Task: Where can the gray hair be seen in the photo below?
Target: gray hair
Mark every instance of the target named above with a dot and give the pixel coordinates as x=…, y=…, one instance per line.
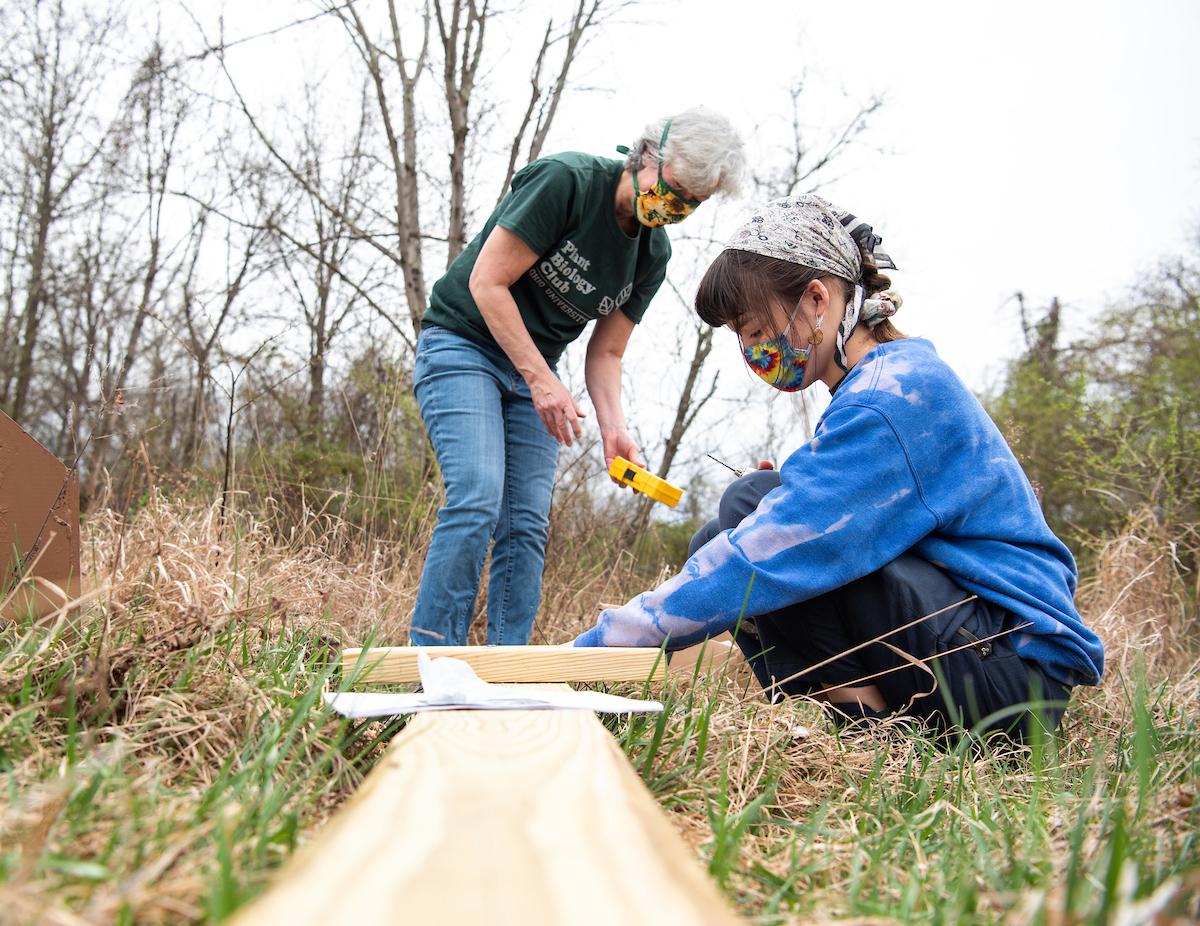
x=703, y=149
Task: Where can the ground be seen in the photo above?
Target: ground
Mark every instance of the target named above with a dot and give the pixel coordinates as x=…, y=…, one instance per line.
x=164, y=750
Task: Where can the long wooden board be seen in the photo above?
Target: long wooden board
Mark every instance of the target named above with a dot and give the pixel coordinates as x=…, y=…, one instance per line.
x=503, y=818
x=389, y=664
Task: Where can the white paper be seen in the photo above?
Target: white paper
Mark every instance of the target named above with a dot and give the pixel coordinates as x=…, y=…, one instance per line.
x=451, y=685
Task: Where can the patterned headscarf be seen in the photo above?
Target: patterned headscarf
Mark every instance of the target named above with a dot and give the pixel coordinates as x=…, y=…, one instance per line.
x=812, y=232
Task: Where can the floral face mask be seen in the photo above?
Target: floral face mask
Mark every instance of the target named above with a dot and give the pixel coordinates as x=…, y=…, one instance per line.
x=662, y=204
x=777, y=363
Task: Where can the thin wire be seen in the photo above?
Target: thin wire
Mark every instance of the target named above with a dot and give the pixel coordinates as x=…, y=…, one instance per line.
x=855, y=649
x=867, y=678
x=737, y=472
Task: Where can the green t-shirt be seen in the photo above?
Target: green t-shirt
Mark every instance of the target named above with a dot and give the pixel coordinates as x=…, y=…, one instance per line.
x=562, y=206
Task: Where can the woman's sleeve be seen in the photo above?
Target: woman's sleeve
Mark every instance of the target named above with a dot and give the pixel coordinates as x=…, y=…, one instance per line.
x=848, y=504
x=538, y=207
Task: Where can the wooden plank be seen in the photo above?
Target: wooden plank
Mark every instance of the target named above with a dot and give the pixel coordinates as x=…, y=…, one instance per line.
x=529, y=818
x=387, y=664
x=705, y=658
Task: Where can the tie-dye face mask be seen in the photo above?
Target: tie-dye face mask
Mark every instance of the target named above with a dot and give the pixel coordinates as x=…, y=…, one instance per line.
x=776, y=362
x=662, y=204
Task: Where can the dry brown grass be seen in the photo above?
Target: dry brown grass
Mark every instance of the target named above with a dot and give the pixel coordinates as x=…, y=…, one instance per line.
x=1138, y=601
x=204, y=637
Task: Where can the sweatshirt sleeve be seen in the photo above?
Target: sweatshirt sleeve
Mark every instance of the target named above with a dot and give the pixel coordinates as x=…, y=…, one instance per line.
x=848, y=504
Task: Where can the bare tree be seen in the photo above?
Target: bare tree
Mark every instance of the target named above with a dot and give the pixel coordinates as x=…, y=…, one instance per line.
x=402, y=148
x=50, y=139
x=543, y=99
x=461, y=32
x=91, y=278
x=317, y=260
x=154, y=113
x=806, y=164
x=395, y=59
x=204, y=315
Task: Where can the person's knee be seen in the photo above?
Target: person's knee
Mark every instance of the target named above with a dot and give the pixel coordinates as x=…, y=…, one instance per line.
x=703, y=536
x=906, y=582
x=526, y=510
x=742, y=496
x=475, y=499
x=528, y=531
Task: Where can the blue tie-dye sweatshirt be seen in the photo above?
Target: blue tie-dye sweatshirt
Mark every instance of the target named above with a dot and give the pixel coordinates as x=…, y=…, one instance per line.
x=905, y=458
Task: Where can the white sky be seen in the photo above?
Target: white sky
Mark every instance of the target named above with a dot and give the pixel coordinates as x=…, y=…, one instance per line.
x=1047, y=147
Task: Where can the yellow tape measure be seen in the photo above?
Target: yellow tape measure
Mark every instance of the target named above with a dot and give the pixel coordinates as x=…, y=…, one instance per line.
x=647, y=483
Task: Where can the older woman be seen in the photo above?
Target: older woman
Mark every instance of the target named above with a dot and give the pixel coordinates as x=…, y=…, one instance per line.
x=899, y=562
x=577, y=238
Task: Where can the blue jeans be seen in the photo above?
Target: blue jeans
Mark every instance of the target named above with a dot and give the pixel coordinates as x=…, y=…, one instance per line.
x=497, y=461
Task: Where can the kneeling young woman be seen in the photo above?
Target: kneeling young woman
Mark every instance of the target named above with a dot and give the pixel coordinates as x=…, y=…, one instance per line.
x=897, y=563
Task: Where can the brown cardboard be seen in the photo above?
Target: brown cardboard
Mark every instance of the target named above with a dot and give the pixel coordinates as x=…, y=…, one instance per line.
x=39, y=527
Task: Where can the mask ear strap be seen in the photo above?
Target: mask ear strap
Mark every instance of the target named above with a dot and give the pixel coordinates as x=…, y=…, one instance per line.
x=846, y=328
x=662, y=143
x=624, y=149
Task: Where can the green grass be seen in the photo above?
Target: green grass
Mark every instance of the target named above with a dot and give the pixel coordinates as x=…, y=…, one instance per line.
x=164, y=751
x=891, y=823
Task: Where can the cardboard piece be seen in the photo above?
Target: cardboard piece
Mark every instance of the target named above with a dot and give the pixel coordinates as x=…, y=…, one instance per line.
x=39, y=527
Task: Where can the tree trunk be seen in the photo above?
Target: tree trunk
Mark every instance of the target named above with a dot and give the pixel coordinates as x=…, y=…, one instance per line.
x=37, y=269
x=686, y=411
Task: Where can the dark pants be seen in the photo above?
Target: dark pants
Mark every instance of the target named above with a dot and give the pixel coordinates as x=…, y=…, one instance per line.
x=974, y=680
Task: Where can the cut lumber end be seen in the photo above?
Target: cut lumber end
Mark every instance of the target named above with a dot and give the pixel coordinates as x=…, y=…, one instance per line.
x=705, y=658
x=395, y=664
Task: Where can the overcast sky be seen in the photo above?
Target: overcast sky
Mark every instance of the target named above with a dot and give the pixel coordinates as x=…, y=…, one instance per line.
x=1046, y=147
x=1052, y=148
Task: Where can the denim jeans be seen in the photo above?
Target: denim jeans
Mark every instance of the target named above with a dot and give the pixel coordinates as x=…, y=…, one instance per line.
x=497, y=461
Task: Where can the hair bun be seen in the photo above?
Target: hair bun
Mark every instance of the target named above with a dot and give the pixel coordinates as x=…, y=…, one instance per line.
x=880, y=306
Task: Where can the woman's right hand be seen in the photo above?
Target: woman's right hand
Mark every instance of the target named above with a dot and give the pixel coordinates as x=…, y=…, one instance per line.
x=557, y=408
x=502, y=260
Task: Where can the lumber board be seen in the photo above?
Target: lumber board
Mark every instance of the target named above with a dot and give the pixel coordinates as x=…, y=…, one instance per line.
x=392, y=664
x=528, y=818
x=705, y=658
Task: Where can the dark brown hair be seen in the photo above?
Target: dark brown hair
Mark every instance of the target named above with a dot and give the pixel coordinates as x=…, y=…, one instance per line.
x=742, y=286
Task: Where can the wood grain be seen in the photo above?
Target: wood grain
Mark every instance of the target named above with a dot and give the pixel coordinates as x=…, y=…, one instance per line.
x=528, y=818
x=705, y=658
x=388, y=664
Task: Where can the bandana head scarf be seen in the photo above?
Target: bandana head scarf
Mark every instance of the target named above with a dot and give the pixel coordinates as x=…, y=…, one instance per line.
x=812, y=232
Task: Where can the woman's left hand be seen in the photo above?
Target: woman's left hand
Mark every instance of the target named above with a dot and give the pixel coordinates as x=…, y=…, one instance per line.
x=618, y=442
